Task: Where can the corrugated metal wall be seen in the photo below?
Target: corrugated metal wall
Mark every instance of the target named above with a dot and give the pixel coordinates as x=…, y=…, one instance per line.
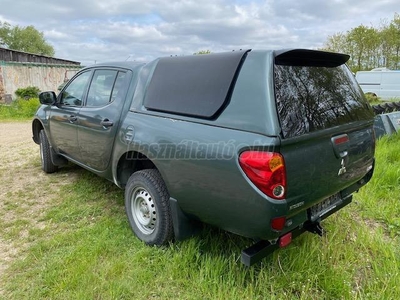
x=47, y=77
x=19, y=56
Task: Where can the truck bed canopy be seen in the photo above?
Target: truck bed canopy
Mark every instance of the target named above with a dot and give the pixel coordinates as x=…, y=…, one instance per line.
x=198, y=85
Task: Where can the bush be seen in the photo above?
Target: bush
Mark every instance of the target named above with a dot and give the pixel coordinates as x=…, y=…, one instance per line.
x=372, y=98
x=19, y=109
x=28, y=92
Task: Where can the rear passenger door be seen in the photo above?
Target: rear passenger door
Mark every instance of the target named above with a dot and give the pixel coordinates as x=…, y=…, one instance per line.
x=99, y=118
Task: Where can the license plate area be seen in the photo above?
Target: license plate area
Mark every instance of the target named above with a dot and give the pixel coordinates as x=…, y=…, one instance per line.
x=319, y=210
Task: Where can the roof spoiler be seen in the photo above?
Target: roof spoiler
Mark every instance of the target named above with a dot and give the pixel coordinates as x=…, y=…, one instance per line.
x=309, y=58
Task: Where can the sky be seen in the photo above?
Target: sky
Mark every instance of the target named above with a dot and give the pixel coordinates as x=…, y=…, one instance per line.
x=93, y=31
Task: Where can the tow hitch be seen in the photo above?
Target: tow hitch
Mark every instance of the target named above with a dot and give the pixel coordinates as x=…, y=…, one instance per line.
x=261, y=249
x=314, y=227
x=258, y=251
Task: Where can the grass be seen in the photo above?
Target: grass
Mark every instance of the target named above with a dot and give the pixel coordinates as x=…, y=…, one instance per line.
x=84, y=249
x=381, y=200
x=374, y=100
x=20, y=109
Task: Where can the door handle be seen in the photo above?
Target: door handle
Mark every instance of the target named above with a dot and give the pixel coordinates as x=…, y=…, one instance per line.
x=106, y=123
x=72, y=119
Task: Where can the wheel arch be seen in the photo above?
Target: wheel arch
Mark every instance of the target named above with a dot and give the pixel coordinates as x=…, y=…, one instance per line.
x=37, y=126
x=131, y=162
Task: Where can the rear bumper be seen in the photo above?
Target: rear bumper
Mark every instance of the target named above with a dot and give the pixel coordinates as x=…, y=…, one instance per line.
x=263, y=248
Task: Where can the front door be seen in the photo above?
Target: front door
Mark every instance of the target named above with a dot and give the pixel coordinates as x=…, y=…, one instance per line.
x=64, y=116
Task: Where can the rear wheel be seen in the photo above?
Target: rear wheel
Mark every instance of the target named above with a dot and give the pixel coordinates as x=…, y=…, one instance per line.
x=147, y=207
x=45, y=154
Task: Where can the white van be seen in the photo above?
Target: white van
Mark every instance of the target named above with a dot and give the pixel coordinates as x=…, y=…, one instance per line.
x=381, y=82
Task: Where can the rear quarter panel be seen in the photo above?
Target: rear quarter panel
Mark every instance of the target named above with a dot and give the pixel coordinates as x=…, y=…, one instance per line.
x=199, y=164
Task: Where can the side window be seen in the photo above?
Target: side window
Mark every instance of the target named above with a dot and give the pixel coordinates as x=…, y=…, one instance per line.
x=119, y=87
x=101, y=88
x=73, y=94
x=197, y=85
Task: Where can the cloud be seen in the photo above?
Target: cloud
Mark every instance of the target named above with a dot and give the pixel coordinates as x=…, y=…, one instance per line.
x=104, y=30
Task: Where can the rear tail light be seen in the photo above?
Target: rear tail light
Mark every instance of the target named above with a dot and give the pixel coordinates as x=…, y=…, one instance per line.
x=266, y=170
x=278, y=223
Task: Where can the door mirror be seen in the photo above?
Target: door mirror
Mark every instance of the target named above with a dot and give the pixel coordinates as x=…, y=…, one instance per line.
x=48, y=98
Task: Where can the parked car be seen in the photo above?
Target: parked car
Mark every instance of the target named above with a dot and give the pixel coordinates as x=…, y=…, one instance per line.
x=264, y=144
x=380, y=82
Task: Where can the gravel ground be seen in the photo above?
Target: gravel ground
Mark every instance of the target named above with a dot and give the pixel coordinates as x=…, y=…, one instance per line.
x=25, y=192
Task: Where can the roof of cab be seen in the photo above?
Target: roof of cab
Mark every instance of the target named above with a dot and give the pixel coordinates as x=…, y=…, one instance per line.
x=118, y=64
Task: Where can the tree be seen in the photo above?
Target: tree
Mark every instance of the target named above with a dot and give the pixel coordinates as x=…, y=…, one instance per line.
x=369, y=47
x=362, y=41
x=27, y=39
x=4, y=32
x=336, y=42
x=394, y=28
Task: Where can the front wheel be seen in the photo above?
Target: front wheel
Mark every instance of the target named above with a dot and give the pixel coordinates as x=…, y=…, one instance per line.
x=45, y=154
x=147, y=207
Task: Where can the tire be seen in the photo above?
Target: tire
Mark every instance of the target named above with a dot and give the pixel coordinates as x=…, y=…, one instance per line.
x=147, y=207
x=45, y=154
x=391, y=106
x=377, y=109
x=397, y=104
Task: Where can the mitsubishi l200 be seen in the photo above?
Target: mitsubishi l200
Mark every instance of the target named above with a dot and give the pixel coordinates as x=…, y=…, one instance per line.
x=264, y=144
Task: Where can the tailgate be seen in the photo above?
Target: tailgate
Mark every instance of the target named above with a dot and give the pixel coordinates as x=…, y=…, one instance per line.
x=327, y=133
x=323, y=164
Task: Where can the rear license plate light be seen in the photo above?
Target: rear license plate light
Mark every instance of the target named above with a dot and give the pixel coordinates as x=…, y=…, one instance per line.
x=320, y=209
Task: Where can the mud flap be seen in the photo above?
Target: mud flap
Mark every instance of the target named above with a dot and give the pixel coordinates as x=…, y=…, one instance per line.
x=184, y=227
x=56, y=159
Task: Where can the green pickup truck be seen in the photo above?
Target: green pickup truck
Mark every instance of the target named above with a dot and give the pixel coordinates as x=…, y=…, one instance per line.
x=264, y=144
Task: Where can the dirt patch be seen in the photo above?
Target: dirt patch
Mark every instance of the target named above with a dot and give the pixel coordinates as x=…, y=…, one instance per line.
x=25, y=191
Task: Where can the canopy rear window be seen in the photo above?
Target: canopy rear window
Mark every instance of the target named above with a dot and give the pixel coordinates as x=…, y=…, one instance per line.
x=198, y=86
x=316, y=93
